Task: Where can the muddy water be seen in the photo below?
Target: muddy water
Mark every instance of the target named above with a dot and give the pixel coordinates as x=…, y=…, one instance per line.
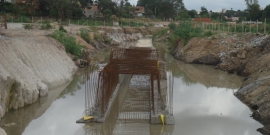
x=204, y=104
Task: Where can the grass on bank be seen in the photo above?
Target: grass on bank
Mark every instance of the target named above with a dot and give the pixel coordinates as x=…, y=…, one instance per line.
x=69, y=42
x=28, y=26
x=85, y=35
x=181, y=33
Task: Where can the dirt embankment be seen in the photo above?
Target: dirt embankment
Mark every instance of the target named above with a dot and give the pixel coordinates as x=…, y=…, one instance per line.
x=247, y=55
x=107, y=36
x=30, y=64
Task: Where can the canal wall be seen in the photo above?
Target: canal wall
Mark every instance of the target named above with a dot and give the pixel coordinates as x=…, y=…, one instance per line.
x=30, y=64
x=247, y=55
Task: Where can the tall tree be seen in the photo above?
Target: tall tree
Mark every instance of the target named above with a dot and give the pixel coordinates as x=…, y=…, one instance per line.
x=253, y=8
x=65, y=9
x=250, y=2
x=163, y=8
x=204, y=12
x=192, y=13
x=266, y=12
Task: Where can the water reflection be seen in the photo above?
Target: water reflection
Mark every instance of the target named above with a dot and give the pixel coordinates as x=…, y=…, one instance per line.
x=23, y=116
x=210, y=111
x=204, y=74
x=74, y=85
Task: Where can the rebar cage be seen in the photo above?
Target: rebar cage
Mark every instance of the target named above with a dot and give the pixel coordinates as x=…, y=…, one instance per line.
x=103, y=80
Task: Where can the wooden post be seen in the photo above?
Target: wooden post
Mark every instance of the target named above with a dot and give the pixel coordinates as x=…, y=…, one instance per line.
x=250, y=26
x=264, y=30
x=257, y=27
x=235, y=27
x=242, y=27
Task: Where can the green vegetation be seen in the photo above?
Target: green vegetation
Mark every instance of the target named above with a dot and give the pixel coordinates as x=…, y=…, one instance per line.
x=181, y=33
x=107, y=40
x=69, y=42
x=172, y=26
x=62, y=29
x=94, y=29
x=184, y=32
x=46, y=26
x=159, y=33
x=28, y=26
x=85, y=35
x=97, y=37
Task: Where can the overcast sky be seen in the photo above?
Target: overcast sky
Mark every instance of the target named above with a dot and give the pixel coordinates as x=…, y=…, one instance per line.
x=216, y=5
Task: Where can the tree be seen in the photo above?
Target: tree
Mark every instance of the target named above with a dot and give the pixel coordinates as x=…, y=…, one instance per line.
x=253, y=8
x=6, y=7
x=107, y=14
x=168, y=11
x=250, y=2
x=215, y=16
x=65, y=9
x=107, y=4
x=163, y=8
x=254, y=11
x=204, y=12
x=192, y=13
x=266, y=12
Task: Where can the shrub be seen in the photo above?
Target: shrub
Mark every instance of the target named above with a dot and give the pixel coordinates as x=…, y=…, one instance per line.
x=185, y=32
x=159, y=33
x=172, y=26
x=94, y=29
x=61, y=28
x=107, y=40
x=46, y=26
x=85, y=35
x=208, y=33
x=28, y=26
x=97, y=37
x=69, y=42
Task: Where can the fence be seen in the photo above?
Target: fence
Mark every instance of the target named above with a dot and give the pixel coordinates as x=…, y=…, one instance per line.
x=83, y=22
x=245, y=27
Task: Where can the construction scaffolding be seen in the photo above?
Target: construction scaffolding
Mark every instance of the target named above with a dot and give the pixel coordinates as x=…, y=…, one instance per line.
x=103, y=82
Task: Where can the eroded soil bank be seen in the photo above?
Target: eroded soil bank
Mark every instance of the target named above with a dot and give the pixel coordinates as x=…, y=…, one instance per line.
x=245, y=54
x=30, y=64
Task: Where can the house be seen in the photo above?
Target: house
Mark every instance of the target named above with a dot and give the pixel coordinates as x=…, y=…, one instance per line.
x=92, y=11
x=139, y=11
x=233, y=19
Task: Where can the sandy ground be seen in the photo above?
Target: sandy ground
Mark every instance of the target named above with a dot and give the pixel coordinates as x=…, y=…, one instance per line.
x=144, y=43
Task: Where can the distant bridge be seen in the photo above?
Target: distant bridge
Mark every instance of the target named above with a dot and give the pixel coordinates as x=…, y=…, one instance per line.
x=149, y=96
